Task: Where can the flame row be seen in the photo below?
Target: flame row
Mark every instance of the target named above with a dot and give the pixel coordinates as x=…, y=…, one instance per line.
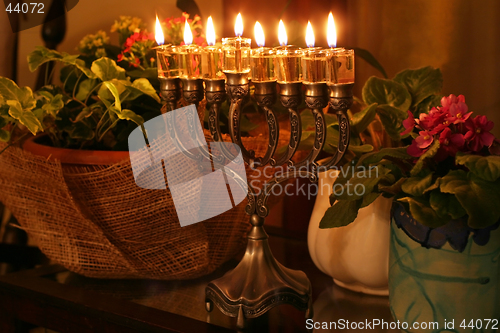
x=259, y=32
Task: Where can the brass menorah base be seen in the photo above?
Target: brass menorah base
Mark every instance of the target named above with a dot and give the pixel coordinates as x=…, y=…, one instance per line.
x=259, y=282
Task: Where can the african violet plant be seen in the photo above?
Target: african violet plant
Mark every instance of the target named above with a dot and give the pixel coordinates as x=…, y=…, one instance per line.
x=105, y=92
x=446, y=169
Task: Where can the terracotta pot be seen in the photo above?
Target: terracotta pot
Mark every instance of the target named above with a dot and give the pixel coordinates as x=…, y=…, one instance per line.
x=73, y=156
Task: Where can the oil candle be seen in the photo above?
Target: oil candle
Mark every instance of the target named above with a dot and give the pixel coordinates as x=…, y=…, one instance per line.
x=287, y=65
x=236, y=50
x=313, y=62
x=261, y=58
x=167, y=55
x=189, y=56
x=340, y=61
x=211, y=57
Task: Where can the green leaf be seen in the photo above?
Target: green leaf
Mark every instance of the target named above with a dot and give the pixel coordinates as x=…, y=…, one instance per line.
x=478, y=197
x=114, y=91
x=145, y=87
x=130, y=115
x=42, y=55
x=375, y=157
x=431, y=152
x=416, y=186
x=421, y=83
x=84, y=88
x=362, y=119
x=369, y=199
x=4, y=135
x=420, y=209
x=25, y=117
x=362, y=183
x=383, y=91
x=106, y=69
x=369, y=58
x=392, y=119
x=55, y=103
x=446, y=205
x=9, y=90
x=392, y=189
x=426, y=105
x=486, y=167
x=340, y=214
x=85, y=113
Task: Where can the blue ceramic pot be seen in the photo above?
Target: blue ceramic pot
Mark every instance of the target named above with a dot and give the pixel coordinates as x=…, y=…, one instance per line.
x=432, y=282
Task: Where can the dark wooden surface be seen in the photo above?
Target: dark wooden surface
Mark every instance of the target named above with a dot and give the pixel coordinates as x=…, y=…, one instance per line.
x=51, y=297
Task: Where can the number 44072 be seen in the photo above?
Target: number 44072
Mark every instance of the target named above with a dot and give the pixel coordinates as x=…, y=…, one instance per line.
x=480, y=323
x=36, y=7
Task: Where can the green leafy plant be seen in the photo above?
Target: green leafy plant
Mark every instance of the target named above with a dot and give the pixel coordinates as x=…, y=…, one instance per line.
x=106, y=91
x=445, y=168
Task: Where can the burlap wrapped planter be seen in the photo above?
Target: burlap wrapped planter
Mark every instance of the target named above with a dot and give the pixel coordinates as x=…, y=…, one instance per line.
x=94, y=220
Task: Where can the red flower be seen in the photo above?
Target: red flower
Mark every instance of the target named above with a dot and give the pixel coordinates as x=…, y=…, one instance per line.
x=450, y=144
x=434, y=121
x=120, y=57
x=420, y=144
x=479, y=134
x=409, y=123
x=458, y=113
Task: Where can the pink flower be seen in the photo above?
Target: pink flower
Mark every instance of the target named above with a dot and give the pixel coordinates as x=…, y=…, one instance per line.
x=409, y=123
x=479, y=134
x=458, y=113
x=413, y=150
x=424, y=139
x=446, y=102
x=434, y=121
x=420, y=144
x=450, y=144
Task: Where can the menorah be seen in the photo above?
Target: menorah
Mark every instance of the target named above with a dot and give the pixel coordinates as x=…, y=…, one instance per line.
x=259, y=283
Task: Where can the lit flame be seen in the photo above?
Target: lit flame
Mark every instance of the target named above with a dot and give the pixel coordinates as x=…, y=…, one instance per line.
x=309, y=35
x=210, y=31
x=188, y=35
x=331, y=35
x=260, y=39
x=160, y=40
x=282, y=37
x=238, y=26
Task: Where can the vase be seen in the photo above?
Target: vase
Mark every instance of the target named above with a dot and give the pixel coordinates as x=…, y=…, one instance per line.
x=357, y=255
x=446, y=289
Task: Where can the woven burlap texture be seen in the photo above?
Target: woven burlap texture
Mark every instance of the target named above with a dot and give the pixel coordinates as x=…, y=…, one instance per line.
x=95, y=221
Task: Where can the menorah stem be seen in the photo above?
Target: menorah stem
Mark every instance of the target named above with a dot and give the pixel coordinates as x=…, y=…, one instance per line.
x=316, y=100
x=290, y=97
x=341, y=99
x=237, y=87
x=193, y=93
x=265, y=96
x=170, y=91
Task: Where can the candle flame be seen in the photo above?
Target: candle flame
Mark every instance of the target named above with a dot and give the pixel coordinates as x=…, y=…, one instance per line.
x=160, y=40
x=210, y=32
x=238, y=26
x=188, y=35
x=309, y=35
x=260, y=39
x=282, y=37
x=331, y=35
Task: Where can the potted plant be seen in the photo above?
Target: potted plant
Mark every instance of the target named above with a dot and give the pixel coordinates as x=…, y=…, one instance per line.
x=72, y=188
x=357, y=256
x=445, y=186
